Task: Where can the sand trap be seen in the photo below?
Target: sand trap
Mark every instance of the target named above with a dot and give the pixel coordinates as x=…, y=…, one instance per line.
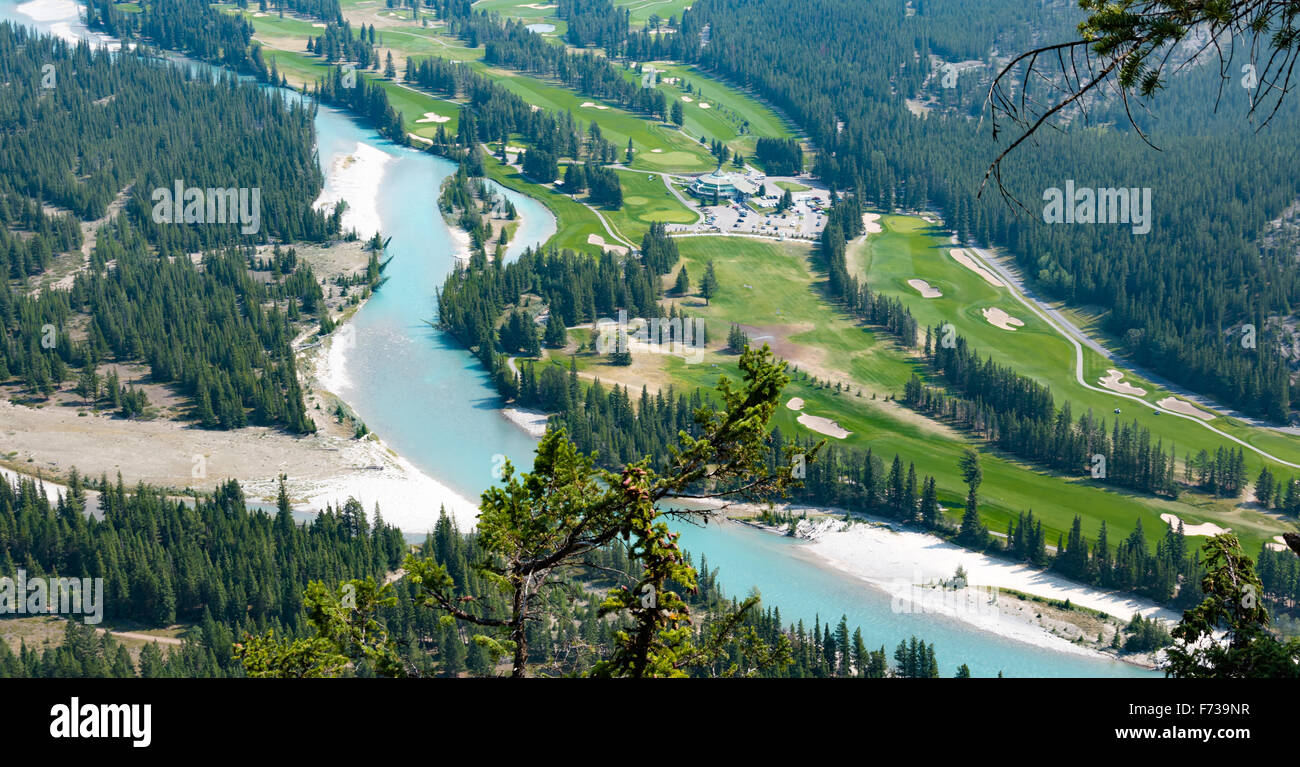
x=537, y=7
x=965, y=260
x=1175, y=405
x=1205, y=528
x=1000, y=319
x=592, y=105
x=598, y=241
x=705, y=105
x=421, y=139
x=258, y=15
x=925, y=289
x=871, y=223
x=433, y=117
x=655, y=151
x=319, y=26
x=824, y=426
x=795, y=403
x=1111, y=381
x=1277, y=544
x=687, y=99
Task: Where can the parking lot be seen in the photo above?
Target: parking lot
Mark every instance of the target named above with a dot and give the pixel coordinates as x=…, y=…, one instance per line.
x=804, y=221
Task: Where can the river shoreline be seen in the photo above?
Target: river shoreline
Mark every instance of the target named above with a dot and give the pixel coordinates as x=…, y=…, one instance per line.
x=916, y=570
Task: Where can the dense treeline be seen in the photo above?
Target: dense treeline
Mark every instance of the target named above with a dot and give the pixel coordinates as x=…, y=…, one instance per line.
x=114, y=124
x=363, y=97
x=576, y=636
x=509, y=43
x=494, y=113
x=232, y=571
x=1177, y=296
x=209, y=561
x=843, y=223
x=218, y=332
x=576, y=288
x=340, y=43
x=593, y=22
x=325, y=10
x=779, y=157
x=192, y=27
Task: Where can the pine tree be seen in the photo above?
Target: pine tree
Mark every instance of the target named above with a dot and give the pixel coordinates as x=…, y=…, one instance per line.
x=709, y=285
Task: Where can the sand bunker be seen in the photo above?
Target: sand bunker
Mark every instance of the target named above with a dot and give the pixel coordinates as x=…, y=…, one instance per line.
x=1000, y=319
x=1277, y=544
x=795, y=403
x=1111, y=381
x=1175, y=405
x=592, y=105
x=655, y=151
x=319, y=26
x=598, y=241
x=824, y=426
x=965, y=260
x=687, y=99
x=537, y=7
x=1205, y=528
x=705, y=105
x=433, y=117
x=871, y=223
x=925, y=289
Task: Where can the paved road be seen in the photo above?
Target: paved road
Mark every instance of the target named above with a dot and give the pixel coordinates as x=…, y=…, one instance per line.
x=1060, y=324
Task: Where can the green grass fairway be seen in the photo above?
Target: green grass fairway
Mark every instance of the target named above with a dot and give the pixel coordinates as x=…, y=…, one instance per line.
x=910, y=248
x=640, y=10
x=734, y=117
x=677, y=153
x=574, y=221
x=784, y=301
x=645, y=200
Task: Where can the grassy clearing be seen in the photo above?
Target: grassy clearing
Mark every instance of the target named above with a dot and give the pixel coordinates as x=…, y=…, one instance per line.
x=783, y=306
x=640, y=10
x=733, y=117
x=677, y=152
x=645, y=200
x=910, y=248
x=574, y=222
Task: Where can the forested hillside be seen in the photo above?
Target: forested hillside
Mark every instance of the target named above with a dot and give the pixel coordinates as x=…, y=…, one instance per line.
x=121, y=127
x=231, y=571
x=1176, y=296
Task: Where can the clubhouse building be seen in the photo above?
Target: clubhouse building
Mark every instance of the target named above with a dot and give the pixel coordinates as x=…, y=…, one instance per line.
x=723, y=186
